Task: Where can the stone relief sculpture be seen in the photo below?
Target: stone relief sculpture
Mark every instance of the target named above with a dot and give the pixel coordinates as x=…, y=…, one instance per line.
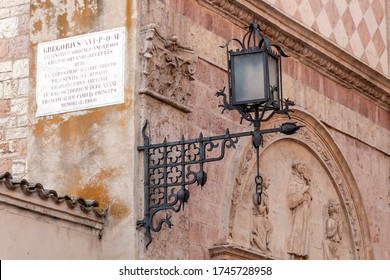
x=334, y=230
x=261, y=226
x=299, y=199
x=355, y=243
x=167, y=68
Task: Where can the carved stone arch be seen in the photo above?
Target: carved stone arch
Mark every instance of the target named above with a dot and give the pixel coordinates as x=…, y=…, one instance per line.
x=315, y=138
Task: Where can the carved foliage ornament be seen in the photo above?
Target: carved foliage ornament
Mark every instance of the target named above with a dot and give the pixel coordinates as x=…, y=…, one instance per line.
x=167, y=69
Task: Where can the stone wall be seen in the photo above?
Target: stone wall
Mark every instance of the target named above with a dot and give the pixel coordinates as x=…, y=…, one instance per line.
x=14, y=85
x=356, y=129
x=174, y=65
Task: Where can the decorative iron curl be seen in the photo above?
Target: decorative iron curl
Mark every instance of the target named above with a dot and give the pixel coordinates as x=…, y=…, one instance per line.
x=170, y=167
x=180, y=164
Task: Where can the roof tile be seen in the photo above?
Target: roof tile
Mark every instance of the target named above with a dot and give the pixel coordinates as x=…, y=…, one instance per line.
x=86, y=205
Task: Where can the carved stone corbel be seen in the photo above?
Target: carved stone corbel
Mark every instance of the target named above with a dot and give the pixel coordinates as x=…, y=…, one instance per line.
x=168, y=68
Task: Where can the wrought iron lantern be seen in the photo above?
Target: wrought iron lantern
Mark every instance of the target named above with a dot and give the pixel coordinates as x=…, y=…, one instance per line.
x=254, y=71
x=255, y=77
x=255, y=91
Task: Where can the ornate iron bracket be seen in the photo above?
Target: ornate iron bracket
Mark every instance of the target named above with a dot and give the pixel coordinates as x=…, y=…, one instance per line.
x=172, y=166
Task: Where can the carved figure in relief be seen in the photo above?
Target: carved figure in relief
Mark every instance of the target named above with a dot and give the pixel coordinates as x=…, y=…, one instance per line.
x=299, y=199
x=262, y=228
x=334, y=232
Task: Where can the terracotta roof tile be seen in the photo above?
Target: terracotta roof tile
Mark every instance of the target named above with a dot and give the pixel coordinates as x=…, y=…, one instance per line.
x=86, y=205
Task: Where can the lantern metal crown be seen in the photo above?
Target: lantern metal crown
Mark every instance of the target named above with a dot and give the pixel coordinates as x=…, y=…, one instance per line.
x=255, y=91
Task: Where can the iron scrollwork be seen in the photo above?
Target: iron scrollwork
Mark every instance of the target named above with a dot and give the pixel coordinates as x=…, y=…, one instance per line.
x=172, y=166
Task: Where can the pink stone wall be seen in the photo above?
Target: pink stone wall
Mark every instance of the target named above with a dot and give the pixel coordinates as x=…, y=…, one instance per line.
x=344, y=96
x=358, y=126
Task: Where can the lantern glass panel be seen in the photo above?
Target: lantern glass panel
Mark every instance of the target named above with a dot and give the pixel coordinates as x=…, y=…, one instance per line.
x=248, y=78
x=273, y=72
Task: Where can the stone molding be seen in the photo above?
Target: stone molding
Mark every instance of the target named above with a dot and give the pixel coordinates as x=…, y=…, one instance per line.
x=228, y=251
x=309, y=47
x=168, y=68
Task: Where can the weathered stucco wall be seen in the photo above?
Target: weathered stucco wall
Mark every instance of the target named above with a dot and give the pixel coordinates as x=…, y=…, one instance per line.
x=40, y=224
x=87, y=153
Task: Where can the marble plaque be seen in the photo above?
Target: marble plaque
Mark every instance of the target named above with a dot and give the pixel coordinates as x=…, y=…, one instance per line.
x=80, y=72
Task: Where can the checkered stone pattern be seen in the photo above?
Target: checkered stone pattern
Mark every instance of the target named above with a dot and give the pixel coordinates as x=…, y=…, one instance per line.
x=358, y=26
